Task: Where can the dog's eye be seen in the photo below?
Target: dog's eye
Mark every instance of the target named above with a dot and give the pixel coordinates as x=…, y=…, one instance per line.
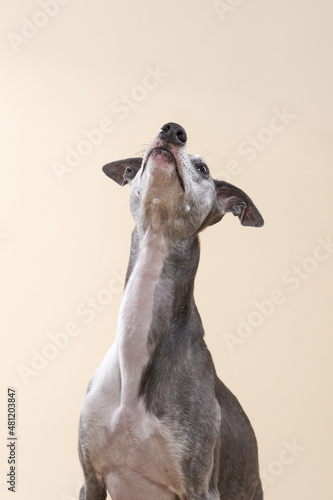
x=203, y=169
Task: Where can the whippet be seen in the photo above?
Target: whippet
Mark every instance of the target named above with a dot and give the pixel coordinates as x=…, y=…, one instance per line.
x=157, y=423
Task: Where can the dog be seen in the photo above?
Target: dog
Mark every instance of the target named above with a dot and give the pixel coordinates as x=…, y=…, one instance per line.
x=157, y=423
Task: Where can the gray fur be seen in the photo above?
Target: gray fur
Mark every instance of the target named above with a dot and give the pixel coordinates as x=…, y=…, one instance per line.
x=157, y=423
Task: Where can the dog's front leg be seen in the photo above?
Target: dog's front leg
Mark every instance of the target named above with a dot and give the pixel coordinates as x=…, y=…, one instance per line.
x=93, y=487
x=92, y=491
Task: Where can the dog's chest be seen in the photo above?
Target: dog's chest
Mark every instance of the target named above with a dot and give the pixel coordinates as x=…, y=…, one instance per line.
x=132, y=446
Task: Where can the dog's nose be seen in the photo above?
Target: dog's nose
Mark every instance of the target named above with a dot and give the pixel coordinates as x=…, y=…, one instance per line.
x=174, y=133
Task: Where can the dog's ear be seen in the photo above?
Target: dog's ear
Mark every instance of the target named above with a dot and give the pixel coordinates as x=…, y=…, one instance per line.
x=123, y=171
x=234, y=200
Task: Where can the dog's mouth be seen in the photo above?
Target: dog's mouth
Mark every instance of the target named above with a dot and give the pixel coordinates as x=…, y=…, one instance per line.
x=169, y=158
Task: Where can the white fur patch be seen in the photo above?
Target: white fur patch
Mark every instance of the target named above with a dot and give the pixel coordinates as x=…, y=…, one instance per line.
x=136, y=313
x=132, y=449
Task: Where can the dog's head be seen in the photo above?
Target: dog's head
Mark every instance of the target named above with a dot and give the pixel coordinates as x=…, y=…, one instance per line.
x=173, y=191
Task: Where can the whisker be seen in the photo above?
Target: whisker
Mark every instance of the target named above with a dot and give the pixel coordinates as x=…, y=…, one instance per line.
x=141, y=151
x=125, y=205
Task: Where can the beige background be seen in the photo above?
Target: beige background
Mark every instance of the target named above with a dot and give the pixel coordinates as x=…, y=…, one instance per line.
x=65, y=238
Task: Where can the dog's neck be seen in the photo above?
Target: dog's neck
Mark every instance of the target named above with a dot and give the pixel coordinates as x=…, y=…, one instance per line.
x=158, y=305
x=172, y=265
